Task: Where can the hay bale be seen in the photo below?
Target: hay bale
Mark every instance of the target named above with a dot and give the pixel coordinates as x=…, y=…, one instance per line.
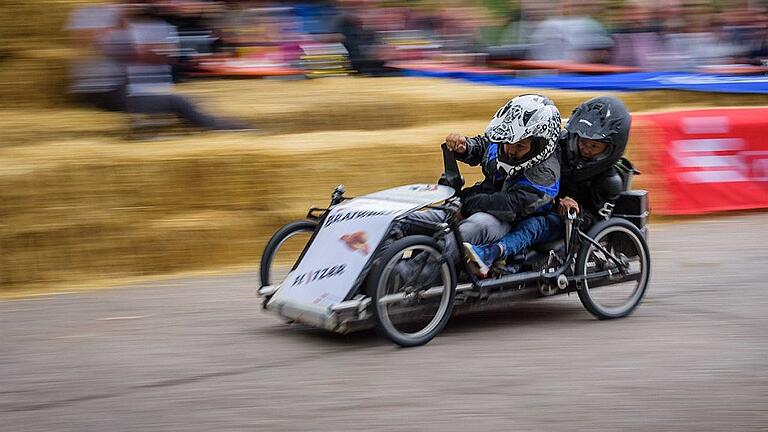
x=80, y=203
x=34, y=51
x=35, y=126
x=74, y=211
x=355, y=103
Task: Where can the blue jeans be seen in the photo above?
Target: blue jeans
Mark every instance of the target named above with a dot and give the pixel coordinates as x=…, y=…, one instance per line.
x=480, y=228
x=536, y=229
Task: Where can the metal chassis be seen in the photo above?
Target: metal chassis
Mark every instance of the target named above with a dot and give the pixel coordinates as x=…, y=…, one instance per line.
x=477, y=295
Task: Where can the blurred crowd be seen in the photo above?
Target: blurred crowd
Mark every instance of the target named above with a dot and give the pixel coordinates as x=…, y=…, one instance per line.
x=143, y=47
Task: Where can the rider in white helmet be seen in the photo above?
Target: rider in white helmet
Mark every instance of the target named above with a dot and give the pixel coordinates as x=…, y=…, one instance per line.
x=522, y=173
x=516, y=155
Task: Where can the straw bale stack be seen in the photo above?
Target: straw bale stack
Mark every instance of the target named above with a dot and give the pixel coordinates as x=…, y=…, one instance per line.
x=73, y=211
x=35, y=50
x=82, y=203
x=374, y=104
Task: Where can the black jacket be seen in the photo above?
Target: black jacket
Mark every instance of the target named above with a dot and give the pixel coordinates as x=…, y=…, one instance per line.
x=507, y=198
x=596, y=195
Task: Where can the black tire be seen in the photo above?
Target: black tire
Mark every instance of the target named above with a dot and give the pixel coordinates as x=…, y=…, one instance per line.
x=622, y=239
x=401, y=304
x=266, y=272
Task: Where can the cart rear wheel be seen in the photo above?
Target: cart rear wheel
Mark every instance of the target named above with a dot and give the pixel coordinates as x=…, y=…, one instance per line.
x=283, y=251
x=412, y=304
x=611, y=293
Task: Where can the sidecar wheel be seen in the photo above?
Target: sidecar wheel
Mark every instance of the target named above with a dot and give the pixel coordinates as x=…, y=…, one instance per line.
x=410, y=305
x=615, y=294
x=283, y=250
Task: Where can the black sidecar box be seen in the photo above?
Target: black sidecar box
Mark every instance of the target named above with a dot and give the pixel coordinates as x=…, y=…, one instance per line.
x=633, y=206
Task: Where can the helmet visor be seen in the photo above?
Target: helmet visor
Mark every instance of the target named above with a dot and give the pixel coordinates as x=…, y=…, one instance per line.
x=586, y=129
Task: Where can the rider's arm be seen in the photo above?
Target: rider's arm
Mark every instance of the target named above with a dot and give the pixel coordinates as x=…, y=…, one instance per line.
x=476, y=147
x=519, y=198
x=506, y=206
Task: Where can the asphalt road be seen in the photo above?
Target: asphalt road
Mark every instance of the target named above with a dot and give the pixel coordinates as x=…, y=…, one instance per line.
x=198, y=355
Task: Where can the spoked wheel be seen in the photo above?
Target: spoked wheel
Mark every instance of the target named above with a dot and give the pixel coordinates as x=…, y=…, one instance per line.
x=613, y=289
x=412, y=287
x=283, y=250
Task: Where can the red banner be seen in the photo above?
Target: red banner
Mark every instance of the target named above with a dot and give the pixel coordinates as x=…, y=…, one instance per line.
x=711, y=160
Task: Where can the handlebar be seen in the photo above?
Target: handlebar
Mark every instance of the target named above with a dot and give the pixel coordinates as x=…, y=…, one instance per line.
x=338, y=194
x=569, y=222
x=451, y=174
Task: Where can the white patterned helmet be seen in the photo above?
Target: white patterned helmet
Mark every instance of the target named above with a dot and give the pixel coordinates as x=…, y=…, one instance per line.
x=529, y=115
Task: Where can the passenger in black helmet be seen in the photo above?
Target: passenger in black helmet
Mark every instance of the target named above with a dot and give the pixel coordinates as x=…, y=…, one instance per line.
x=597, y=135
x=594, y=140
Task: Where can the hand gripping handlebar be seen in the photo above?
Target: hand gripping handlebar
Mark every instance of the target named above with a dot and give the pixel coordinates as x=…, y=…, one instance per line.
x=451, y=175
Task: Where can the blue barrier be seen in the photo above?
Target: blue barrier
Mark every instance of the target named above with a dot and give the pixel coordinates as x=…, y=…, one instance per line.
x=635, y=81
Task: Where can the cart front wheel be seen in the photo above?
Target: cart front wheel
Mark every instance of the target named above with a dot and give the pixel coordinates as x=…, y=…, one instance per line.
x=412, y=287
x=283, y=250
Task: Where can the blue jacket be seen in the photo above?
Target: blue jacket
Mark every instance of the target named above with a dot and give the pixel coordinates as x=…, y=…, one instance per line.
x=507, y=198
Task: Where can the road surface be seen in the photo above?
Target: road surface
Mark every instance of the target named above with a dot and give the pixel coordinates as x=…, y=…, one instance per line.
x=198, y=355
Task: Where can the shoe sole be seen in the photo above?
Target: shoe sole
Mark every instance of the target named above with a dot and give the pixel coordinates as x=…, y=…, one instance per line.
x=474, y=258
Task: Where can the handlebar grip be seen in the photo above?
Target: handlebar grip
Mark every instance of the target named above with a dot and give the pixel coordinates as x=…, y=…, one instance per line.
x=451, y=175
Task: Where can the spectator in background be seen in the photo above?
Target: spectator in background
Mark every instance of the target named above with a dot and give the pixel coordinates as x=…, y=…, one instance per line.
x=139, y=49
x=94, y=78
x=367, y=52
x=316, y=17
x=758, y=53
x=694, y=40
x=194, y=24
x=574, y=36
x=745, y=27
x=636, y=41
x=457, y=30
x=514, y=39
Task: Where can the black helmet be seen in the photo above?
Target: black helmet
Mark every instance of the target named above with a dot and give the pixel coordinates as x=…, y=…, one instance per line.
x=604, y=119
